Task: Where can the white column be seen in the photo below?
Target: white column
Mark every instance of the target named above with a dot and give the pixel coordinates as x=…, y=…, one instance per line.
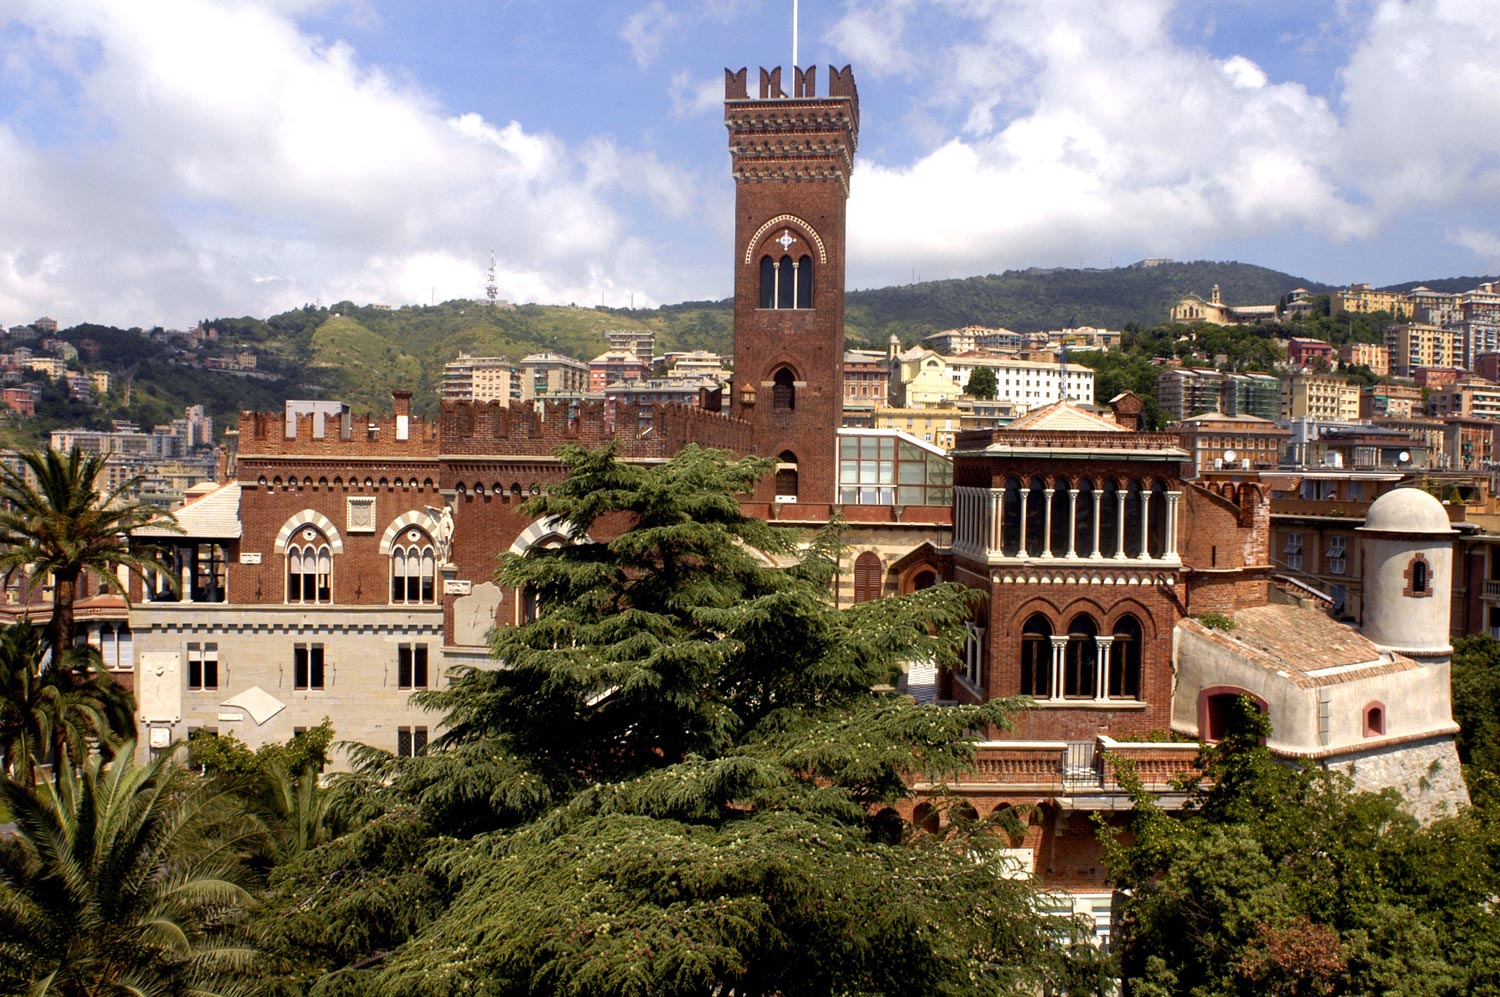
x=996, y=542
x=1145, y=523
x=795, y=265
x=1101, y=667
x=1047, y=523
x=776, y=284
x=1073, y=525
x=1120, y=524
x=1172, y=498
x=1025, y=496
x=185, y=594
x=1059, y=655
x=1095, y=495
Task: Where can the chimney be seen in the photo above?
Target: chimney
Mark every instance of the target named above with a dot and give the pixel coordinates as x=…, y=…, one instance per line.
x=1127, y=409
x=403, y=413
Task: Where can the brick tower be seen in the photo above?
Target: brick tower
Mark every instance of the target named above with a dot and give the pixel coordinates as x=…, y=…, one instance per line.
x=791, y=158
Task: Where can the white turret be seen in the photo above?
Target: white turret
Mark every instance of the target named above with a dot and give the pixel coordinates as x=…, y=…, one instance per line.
x=1407, y=574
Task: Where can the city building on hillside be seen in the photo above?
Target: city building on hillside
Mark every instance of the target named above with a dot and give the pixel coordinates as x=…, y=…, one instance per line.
x=481, y=379
x=1377, y=358
x=1026, y=384
x=1471, y=397
x=641, y=342
x=614, y=366
x=1192, y=308
x=937, y=425
x=1215, y=441
x=552, y=375
x=867, y=379
x=972, y=338
x=1257, y=395
x=1416, y=344
x=1319, y=396
x=1299, y=301
x=1362, y=299
x=21, y=399
x=1301, y=352
x=1487, y=366
x=1183, y=392
x=45, y=326
x=1478, y=337
x=1435, y=307
x=648, y=393
x=1390, y=399
x=1469, y=443
x=1437, y=377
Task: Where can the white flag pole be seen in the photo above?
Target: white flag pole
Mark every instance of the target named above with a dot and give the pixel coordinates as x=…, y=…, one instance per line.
x=794, y=37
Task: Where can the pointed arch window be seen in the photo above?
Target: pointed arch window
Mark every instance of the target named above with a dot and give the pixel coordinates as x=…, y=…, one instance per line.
x=413, y=569
x=786, y=477
x=1125, y=659
x=1036, y=657
x=309, y=567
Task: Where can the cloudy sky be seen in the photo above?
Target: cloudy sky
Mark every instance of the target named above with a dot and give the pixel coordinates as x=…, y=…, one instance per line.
x=170, y=160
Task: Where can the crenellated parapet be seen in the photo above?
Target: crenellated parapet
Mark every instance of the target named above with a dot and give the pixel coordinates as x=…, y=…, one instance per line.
x=343, y=435
x=800, y=136
x=492, y=428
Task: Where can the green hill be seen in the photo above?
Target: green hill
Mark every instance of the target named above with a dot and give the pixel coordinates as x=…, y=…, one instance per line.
x=359, y=354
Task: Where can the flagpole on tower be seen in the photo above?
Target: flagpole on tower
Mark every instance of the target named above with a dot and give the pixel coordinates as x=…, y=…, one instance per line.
x=794, y=36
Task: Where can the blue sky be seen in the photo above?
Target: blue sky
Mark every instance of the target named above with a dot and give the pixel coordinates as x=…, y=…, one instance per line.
x=181, y=159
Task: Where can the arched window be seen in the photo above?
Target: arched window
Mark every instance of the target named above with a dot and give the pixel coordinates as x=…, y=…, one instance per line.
x=1132, y=524
x=1062, y=511
x=786, y=286
x=783, y=390
x=767, y=282
x=413, y=569
x=1080, y=662
x=1418, y=577
x=786, y=477
x=1125, y=659
x=1036, y=657
x=1109, y=519
x=804, y=282
x=1010, y=519
x=1375, y=720
x=309, y=567
x=925, y=817
x=1216, y=706
x=1036, y=517
x=867, y=577
x=1156, y=526
x=1083, y=528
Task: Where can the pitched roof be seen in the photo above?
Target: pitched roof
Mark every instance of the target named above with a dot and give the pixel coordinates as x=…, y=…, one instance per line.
x=1067, y=416
x=215, y=516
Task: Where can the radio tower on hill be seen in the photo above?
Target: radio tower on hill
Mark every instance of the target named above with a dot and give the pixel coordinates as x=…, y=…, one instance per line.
x=492, y=289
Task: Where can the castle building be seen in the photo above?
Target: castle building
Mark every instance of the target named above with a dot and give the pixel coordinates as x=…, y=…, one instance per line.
x=350, y=561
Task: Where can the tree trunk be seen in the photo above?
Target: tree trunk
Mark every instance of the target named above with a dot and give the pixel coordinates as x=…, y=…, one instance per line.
x=60, y=625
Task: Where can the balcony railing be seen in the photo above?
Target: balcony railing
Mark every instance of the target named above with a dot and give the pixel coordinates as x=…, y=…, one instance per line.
x=1491, y=588
x=1071, y=768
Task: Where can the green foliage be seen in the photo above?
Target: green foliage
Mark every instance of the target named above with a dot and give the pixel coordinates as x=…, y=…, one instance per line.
x=66, y=525
x=1283, y=879
x=1476, y=708
x=673, y=785
x=1216, y=621
x=227, y=756
x=54, y=712
x=982, y=383
x=120, y=879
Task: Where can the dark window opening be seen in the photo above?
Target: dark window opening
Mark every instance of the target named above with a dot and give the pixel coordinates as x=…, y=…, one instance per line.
x=1036, y=658
x=411, y=666
x=783, y=390
x=307, y=666
x=1125, y=659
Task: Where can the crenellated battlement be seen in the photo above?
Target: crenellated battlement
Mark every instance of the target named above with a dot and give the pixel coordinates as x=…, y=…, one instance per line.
x=295, y=434
x=492, y=428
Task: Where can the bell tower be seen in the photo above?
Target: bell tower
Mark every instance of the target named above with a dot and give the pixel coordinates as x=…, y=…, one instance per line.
x=791, y=157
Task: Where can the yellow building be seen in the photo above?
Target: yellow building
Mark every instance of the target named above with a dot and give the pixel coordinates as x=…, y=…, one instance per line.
x=937, y=426
x=1319, y=396
x=1416, y=344
x=921, y=378
x=1377, y=358
x=1362, y=299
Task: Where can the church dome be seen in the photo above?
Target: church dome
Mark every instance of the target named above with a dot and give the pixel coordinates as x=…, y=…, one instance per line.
x=1407, y=510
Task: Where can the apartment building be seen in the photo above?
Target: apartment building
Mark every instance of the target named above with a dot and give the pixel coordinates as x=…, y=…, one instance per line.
x=1362, y=299
x=1418, y=344
x=481, y=379
x=552, y=375
x=1377, y=358
x=1471, y=398
x=1216, y=441
x=1319, y=396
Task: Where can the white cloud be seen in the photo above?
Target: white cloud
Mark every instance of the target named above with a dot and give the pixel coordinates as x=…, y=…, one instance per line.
x=647, y=29
x=691, y=97
x=223, y=145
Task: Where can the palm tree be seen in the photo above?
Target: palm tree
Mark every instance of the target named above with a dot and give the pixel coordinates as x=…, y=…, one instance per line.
x=121, y=878
x=68, y=526
x=54, y=712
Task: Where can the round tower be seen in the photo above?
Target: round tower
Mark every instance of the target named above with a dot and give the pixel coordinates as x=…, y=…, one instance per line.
x=1407, y=548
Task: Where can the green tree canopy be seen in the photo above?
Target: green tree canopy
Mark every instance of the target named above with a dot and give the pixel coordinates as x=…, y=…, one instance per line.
x=1280, y=879
x=982, y=383
x=673, y=784
x=67, y=524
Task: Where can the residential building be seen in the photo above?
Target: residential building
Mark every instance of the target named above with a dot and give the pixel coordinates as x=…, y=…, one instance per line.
x=21, y=399
x=934, y=425
x=1437, y=377
x=1473, y=397
x=1215, y=441
x=1026, y=384
x=1257, y=395
x=481, y=379
x=613, y=366
x=1469, y=443
x=552, y=375
x=972, y=338
x=1303, y=352
x=1416, y=344
x=1184, y=392
x=1377, y=358
x=1362, y=299
x=1435, y=307
x=867, y=379
x=641, y=342
x=1390, y=399
x=1319, y=396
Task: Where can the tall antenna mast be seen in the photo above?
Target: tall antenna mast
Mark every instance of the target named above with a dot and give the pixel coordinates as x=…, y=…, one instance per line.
x=794, y=36
x=492, y=289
